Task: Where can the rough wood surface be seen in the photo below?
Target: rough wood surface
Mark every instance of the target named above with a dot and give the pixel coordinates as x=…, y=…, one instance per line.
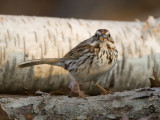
x=23, y=37
x=133, y=105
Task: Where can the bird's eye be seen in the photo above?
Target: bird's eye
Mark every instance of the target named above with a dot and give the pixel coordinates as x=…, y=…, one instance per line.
x=96, y=35
x=109, y=35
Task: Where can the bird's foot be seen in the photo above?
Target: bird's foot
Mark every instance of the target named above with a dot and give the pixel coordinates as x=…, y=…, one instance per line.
x=81, y=94
x=75, y=89
x=104, y=91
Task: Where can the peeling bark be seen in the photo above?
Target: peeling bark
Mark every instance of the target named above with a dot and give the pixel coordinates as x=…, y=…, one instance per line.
x=23, y=38
x=132, y=105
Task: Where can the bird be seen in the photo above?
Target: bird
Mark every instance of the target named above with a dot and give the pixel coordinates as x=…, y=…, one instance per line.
x=89, y=60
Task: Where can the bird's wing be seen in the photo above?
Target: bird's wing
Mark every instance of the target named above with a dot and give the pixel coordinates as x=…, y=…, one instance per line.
x=78, y=51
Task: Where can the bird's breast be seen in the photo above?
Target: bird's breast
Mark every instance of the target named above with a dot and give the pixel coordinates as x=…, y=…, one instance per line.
x=92, y=65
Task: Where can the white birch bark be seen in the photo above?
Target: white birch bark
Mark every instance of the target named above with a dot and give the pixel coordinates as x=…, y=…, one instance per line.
x=24, y=38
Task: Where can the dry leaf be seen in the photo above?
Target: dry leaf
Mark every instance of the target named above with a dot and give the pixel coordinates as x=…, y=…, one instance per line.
x=3, y=114
x=155, y=75
x=28, y=116
x=156, y=82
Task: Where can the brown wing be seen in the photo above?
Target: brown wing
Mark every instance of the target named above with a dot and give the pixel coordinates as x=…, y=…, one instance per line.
x=78, y=51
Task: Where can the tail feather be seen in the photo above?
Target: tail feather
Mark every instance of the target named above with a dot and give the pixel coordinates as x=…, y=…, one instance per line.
x=51, y=61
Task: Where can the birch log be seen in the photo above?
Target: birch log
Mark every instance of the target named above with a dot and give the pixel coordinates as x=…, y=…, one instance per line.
x=24, y=38
x=139, y=104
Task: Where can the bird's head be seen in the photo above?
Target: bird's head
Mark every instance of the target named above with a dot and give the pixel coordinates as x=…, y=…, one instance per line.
x=103, y=35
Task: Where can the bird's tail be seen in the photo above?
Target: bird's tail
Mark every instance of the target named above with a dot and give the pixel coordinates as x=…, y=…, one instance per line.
x=51, y=61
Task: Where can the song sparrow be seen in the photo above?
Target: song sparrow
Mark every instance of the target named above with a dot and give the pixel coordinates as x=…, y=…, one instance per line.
x=88, y=61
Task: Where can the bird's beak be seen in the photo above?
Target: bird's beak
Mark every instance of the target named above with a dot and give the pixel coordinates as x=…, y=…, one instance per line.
x=102, y=37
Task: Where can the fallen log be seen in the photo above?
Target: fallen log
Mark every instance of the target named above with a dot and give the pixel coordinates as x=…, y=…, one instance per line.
x=136, y=104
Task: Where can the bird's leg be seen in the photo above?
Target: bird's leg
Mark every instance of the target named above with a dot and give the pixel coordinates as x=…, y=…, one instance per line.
x=74, y=86
x=80, y=93
x=103, y=90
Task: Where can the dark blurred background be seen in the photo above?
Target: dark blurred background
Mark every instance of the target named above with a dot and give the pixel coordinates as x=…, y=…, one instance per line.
x=85, y=9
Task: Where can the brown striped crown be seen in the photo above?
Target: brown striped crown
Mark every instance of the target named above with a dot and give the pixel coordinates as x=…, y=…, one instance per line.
x=102, y=31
